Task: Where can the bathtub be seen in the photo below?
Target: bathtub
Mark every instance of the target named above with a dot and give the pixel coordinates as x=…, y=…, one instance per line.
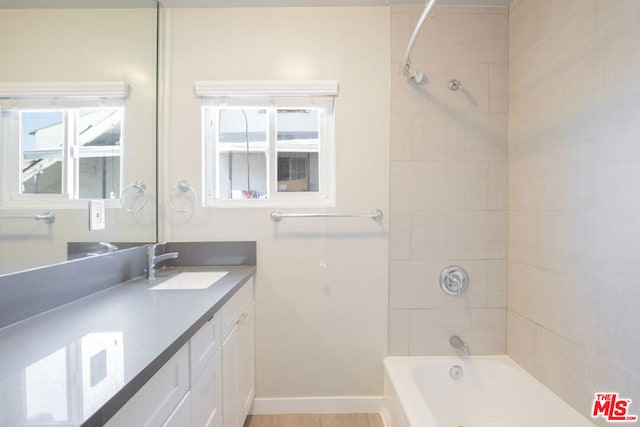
x=489, y=391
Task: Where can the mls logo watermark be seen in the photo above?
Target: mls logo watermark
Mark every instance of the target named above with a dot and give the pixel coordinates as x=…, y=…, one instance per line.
x=612, y=408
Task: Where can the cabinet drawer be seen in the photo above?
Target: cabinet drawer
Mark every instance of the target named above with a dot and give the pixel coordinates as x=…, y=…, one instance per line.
x=233, y=309
x=156, y=400
x=203, y=345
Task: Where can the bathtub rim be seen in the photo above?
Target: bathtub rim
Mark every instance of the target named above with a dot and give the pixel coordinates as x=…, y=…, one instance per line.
x=409, y=395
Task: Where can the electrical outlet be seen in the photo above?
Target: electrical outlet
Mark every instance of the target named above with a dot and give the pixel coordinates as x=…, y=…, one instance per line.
x=97, y=219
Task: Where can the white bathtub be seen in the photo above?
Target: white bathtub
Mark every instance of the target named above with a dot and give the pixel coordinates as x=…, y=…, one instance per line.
x=493, y=391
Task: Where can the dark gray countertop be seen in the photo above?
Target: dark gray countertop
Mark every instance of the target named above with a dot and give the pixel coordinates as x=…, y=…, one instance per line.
x=79, y=363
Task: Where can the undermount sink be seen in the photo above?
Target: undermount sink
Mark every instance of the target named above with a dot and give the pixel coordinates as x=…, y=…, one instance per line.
x=188, y=280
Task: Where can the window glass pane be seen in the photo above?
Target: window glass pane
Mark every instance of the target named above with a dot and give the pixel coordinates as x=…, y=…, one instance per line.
x=239, y=126
x=42, y=147
x=99, y=177
x=242, y=154
x=99, y=151
x=298, y=147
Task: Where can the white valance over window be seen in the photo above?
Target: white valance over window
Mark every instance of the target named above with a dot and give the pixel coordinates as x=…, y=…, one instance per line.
x=256, y=92
x=40, y=95
x=42, y=90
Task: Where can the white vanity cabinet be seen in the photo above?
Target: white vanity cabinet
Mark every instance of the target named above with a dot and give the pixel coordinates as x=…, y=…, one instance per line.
x=206, y=380
x=247, y=357
x=181, y=415
x=209, y=382
x=155, y=402
x=238, y=357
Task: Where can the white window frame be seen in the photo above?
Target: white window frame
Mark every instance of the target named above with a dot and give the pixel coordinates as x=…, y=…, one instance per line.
x=271, y=96
x=67, y=97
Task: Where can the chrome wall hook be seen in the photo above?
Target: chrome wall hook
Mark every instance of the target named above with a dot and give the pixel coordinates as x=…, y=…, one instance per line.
x=455, y=85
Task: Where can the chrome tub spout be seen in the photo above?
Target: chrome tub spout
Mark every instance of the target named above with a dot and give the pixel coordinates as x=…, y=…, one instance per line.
x=458, y=343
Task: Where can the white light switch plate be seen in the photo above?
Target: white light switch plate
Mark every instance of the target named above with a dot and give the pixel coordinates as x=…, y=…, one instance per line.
x=96, y=215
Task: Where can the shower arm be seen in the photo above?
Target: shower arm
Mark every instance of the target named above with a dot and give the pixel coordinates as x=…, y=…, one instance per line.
x=406, y=63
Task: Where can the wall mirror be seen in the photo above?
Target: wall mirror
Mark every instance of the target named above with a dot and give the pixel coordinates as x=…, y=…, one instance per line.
x=78, y=108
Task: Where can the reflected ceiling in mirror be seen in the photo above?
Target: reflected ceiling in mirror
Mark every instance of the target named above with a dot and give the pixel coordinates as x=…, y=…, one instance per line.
x=77, y=4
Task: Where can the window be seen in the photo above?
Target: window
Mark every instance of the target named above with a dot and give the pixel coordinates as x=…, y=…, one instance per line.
x=268, y=149
x=74, y=153
x=61, y=146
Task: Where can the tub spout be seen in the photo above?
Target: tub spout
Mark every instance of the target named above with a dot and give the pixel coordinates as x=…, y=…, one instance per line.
x=458, y=343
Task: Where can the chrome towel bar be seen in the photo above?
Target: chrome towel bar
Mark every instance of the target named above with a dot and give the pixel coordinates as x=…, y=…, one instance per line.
x=47, y=217
x=376, y=215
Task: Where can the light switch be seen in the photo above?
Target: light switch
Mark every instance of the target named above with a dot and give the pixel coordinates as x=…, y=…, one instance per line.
x=96, y=215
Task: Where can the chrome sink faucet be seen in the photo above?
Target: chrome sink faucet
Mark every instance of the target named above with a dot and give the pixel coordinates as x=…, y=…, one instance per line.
x=153, y=259
x=457, y=342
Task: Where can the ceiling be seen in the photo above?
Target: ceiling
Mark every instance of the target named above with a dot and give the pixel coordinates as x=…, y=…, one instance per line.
x=328, y=3
x=21, y=4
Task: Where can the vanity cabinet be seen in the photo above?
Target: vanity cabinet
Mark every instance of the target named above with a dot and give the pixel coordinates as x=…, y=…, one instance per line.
x=238, y=358
x=181, y=416
x=209, y=382
x=206, y=379
x=247, y=357
x=156, y=401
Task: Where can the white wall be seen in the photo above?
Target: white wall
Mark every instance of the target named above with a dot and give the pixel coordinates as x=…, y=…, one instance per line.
x=574, y=151
x=321, y=331
x=449, y=180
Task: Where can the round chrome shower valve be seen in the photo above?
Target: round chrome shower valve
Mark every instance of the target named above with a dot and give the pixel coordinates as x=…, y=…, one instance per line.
x=454, y=280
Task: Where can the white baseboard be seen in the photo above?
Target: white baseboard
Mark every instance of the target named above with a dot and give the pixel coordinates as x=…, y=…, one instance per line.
x=317, y=405
x=386, y=420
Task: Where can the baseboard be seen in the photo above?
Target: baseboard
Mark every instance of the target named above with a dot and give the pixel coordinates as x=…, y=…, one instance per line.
x=317, y=405
x=386, y=420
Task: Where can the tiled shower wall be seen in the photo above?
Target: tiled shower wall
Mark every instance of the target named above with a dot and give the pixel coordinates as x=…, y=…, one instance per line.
x=574, y=199
x=449, y=180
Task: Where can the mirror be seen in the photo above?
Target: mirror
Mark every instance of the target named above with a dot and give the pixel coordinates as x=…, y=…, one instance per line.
x=81, y=43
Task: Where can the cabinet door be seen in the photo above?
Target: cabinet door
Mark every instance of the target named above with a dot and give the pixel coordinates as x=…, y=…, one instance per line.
x=181, y=416
x=206, y=394
x=233, y=309
x=247, y=367
x=203, y=345
x=230, y=384
x=156, y=400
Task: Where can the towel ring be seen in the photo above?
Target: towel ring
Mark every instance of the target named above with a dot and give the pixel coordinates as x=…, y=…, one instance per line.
x=140, y=188
x=182, y=189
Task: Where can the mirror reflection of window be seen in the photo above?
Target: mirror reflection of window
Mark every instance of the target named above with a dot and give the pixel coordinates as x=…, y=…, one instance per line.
x=74, y=380
x=75, y=152
x=46, y=389
x=42, y=151
x=102, y=368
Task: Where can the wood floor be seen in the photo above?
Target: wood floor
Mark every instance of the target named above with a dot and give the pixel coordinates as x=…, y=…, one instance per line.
x=315, y=420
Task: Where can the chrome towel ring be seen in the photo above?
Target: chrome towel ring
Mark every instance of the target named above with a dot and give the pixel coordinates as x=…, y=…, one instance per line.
x=182, y=190
x=138, y=189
